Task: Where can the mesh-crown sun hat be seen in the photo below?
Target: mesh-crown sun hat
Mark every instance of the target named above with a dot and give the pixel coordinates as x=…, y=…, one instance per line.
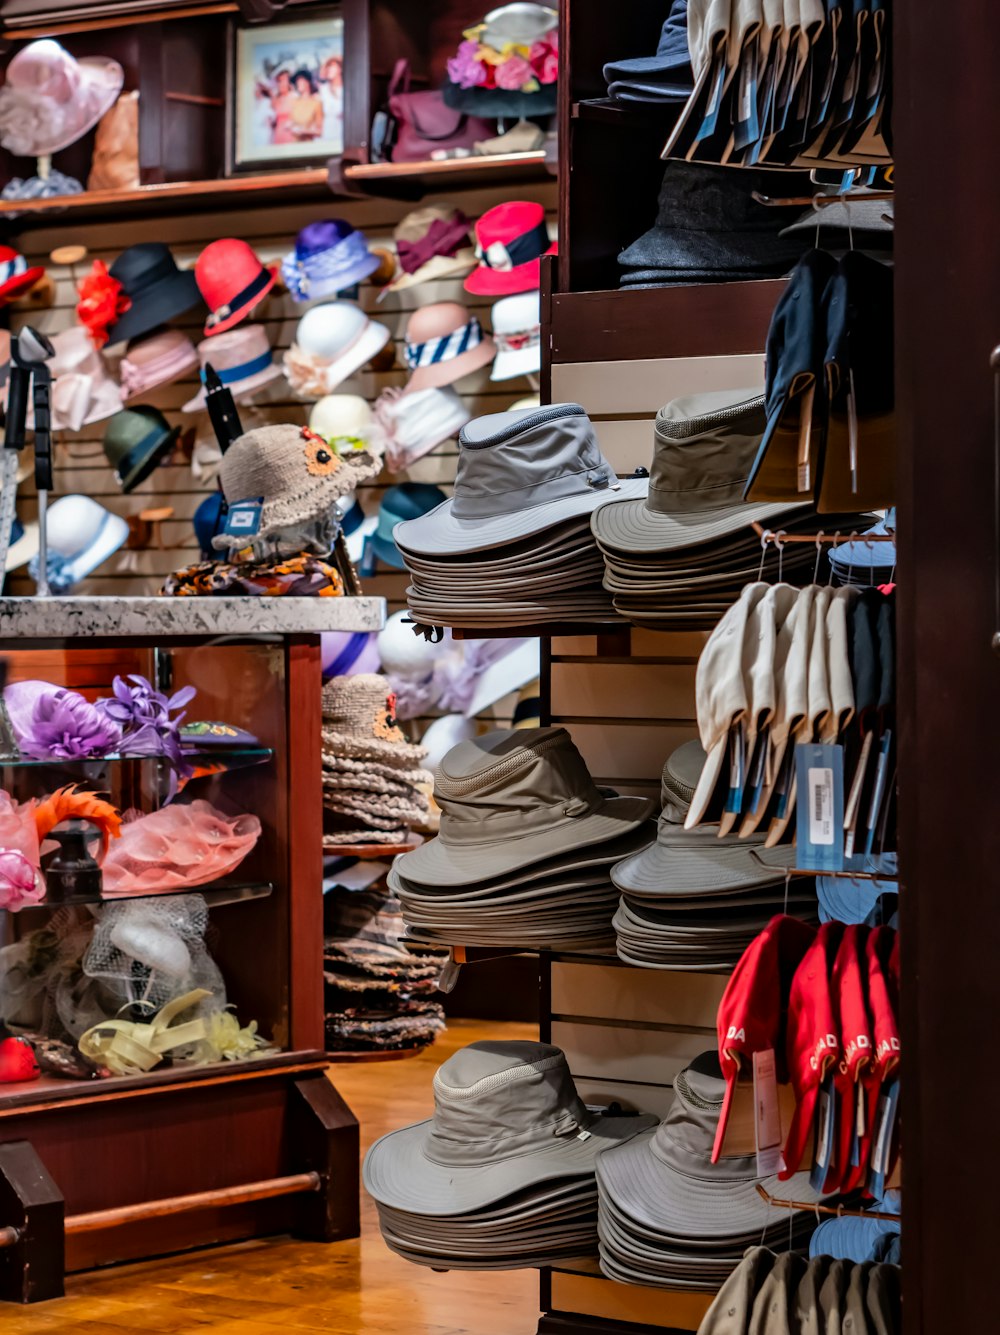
x=232, y=281
x=506, y=1117
x=518, y=473
x=692, y=862
x=510, y=239
x=296, y=473
x=432, y=243
x=703, y=446
x=443, y=344
x=155, y=359
x=156, y=290
x=328, y=257
x=332, y=341
x=50, y=99
x=136, y=440
x=241, y=358
x=517, y=333
x=509, y=799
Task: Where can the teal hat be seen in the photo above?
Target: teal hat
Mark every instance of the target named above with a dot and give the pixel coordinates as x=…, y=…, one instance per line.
x=408, y=500
x=135, y=440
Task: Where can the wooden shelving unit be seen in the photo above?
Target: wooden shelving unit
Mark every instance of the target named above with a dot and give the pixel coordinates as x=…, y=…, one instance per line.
x=411, y=180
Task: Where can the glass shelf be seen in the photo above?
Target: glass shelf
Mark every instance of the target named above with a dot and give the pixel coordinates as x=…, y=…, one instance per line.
x=215, y=895
x=214, y=760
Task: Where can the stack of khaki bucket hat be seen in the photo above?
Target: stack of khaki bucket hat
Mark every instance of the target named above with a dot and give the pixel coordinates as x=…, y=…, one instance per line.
x=502, y=1176
x=525, y=847
x=695, y=900
x=374, y=789
x=513, y=546
x=670, y=1217
x=677, y=557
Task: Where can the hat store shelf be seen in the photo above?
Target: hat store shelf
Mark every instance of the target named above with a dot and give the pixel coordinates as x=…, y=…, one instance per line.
x=134, y=1165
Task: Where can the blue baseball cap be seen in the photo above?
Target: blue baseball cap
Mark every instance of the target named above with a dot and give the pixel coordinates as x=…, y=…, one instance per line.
x=407, y=500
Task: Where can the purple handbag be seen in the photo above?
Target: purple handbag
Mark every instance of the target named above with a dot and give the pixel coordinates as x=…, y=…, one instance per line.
x=423, y=123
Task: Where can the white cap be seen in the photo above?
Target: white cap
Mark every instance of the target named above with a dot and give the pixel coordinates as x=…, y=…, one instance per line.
x=403, y=654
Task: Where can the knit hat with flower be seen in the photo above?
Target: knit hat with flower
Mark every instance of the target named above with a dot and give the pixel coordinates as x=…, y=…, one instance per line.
x=295, y=473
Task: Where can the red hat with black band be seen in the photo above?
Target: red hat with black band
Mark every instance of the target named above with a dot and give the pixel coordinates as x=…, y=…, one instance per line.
x=232, y=280
x=753, y=1009
x=850, y=976
x=813, y=1038
x=16, y=275
x=510, y=240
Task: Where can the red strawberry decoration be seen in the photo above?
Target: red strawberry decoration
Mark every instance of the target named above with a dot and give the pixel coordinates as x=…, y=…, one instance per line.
x=17, y=1061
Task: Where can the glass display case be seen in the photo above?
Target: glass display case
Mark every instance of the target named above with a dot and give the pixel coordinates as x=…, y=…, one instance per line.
x=162, y=1082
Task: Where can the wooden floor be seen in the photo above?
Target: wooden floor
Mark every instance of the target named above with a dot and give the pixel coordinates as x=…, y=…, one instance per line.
x=282, y=1287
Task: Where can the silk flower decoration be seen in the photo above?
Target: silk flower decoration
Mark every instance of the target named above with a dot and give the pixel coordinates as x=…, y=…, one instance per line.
x=102, y=302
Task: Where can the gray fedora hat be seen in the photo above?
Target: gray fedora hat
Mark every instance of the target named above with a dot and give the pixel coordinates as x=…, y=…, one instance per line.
x=518, y=474
x=513, y=798
x=506, y=1117
x=696, y=862
x=703, y=448
x=666, y=1181
x=708, y=223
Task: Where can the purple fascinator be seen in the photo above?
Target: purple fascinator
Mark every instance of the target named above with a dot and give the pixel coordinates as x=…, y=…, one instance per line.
x=147, y=719
x=53, y=723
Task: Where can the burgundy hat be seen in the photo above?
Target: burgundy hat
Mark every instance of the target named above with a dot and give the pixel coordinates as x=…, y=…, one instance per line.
x=813, y=1043
x=751, y=1015
x=232, y=281
x=509, y=242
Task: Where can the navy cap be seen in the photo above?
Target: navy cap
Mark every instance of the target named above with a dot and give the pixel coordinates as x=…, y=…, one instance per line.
x=207, y=520
x=665, y=77
x=408, y=500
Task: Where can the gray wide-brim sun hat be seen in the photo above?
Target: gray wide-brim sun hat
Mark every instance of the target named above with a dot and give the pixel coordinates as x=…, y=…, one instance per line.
x=665, y=1180
x=513, y=798
x=697, y=862
x=519, y=473
x=507, y=1117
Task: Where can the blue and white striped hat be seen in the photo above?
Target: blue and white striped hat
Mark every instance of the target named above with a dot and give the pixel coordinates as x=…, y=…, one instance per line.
x=443, y=344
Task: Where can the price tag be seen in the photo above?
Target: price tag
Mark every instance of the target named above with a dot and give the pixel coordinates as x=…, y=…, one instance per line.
x=243, y=519
x=767, y=1113
x=820, y=821
x=826, y=1113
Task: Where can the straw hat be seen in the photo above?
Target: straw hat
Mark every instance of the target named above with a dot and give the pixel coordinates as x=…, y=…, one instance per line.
x=359, y=721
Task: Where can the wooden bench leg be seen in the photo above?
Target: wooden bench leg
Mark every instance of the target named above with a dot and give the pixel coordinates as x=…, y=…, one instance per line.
x=325, y=1133
x=32, y=1268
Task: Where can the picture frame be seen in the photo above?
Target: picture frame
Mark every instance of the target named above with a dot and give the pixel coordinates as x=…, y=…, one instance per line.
x=285, y=93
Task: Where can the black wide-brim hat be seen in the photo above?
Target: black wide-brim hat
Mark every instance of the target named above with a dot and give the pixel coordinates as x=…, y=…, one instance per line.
x=501, y=103
x=156, y=288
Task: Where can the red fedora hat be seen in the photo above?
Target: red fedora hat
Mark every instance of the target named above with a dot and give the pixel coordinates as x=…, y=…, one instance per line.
x=15, y=275
x=232, y=281
x=510, y=239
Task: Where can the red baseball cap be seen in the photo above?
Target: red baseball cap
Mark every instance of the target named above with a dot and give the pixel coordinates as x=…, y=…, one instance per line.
x=510, y=239
x=882, y=958
x=753, y=1009
x=813, y=1042
x=231, y=280
x=850, y=975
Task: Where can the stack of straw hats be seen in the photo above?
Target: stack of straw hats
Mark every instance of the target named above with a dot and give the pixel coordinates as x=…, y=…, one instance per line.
x=379, y=997
x=525, y=846
x=374, y=789
x=513, y=546
x=695, y=900
x=672, y=1218
x=677, y=558
x=502, y=1176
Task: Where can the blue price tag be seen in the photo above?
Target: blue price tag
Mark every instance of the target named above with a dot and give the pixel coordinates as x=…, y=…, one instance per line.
x=243, y=519
x=820, y=808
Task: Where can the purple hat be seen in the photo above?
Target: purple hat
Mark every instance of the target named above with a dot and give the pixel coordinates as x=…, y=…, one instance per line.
x=328, y=257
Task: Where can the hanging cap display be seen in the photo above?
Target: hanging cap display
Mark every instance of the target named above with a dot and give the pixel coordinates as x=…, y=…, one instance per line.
x=232, y=281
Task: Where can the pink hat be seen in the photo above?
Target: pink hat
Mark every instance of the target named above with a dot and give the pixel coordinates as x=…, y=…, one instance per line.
x=157, y=359
x=443, y=344
x=232, y=280
x=50, y=99
x=82, y=390
x=242, y=359
x=510, y=239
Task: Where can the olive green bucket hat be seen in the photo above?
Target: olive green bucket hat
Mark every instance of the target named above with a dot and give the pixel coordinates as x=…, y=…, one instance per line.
x=135, y=441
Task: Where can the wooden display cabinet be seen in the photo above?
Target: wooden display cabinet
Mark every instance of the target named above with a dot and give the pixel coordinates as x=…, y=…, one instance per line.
x=115, y=1169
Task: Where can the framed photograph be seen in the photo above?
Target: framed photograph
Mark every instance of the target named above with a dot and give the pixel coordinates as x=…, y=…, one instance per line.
x=286, y=93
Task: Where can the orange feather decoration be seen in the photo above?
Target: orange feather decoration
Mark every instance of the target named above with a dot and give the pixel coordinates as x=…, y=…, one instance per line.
x=70, y=803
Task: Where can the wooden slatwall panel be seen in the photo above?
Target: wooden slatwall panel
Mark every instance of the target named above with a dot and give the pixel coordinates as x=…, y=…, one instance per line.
x=628, y=1031
x=80, y=462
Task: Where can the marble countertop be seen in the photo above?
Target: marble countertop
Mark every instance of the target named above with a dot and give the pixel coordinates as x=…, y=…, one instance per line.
x=68, y=618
